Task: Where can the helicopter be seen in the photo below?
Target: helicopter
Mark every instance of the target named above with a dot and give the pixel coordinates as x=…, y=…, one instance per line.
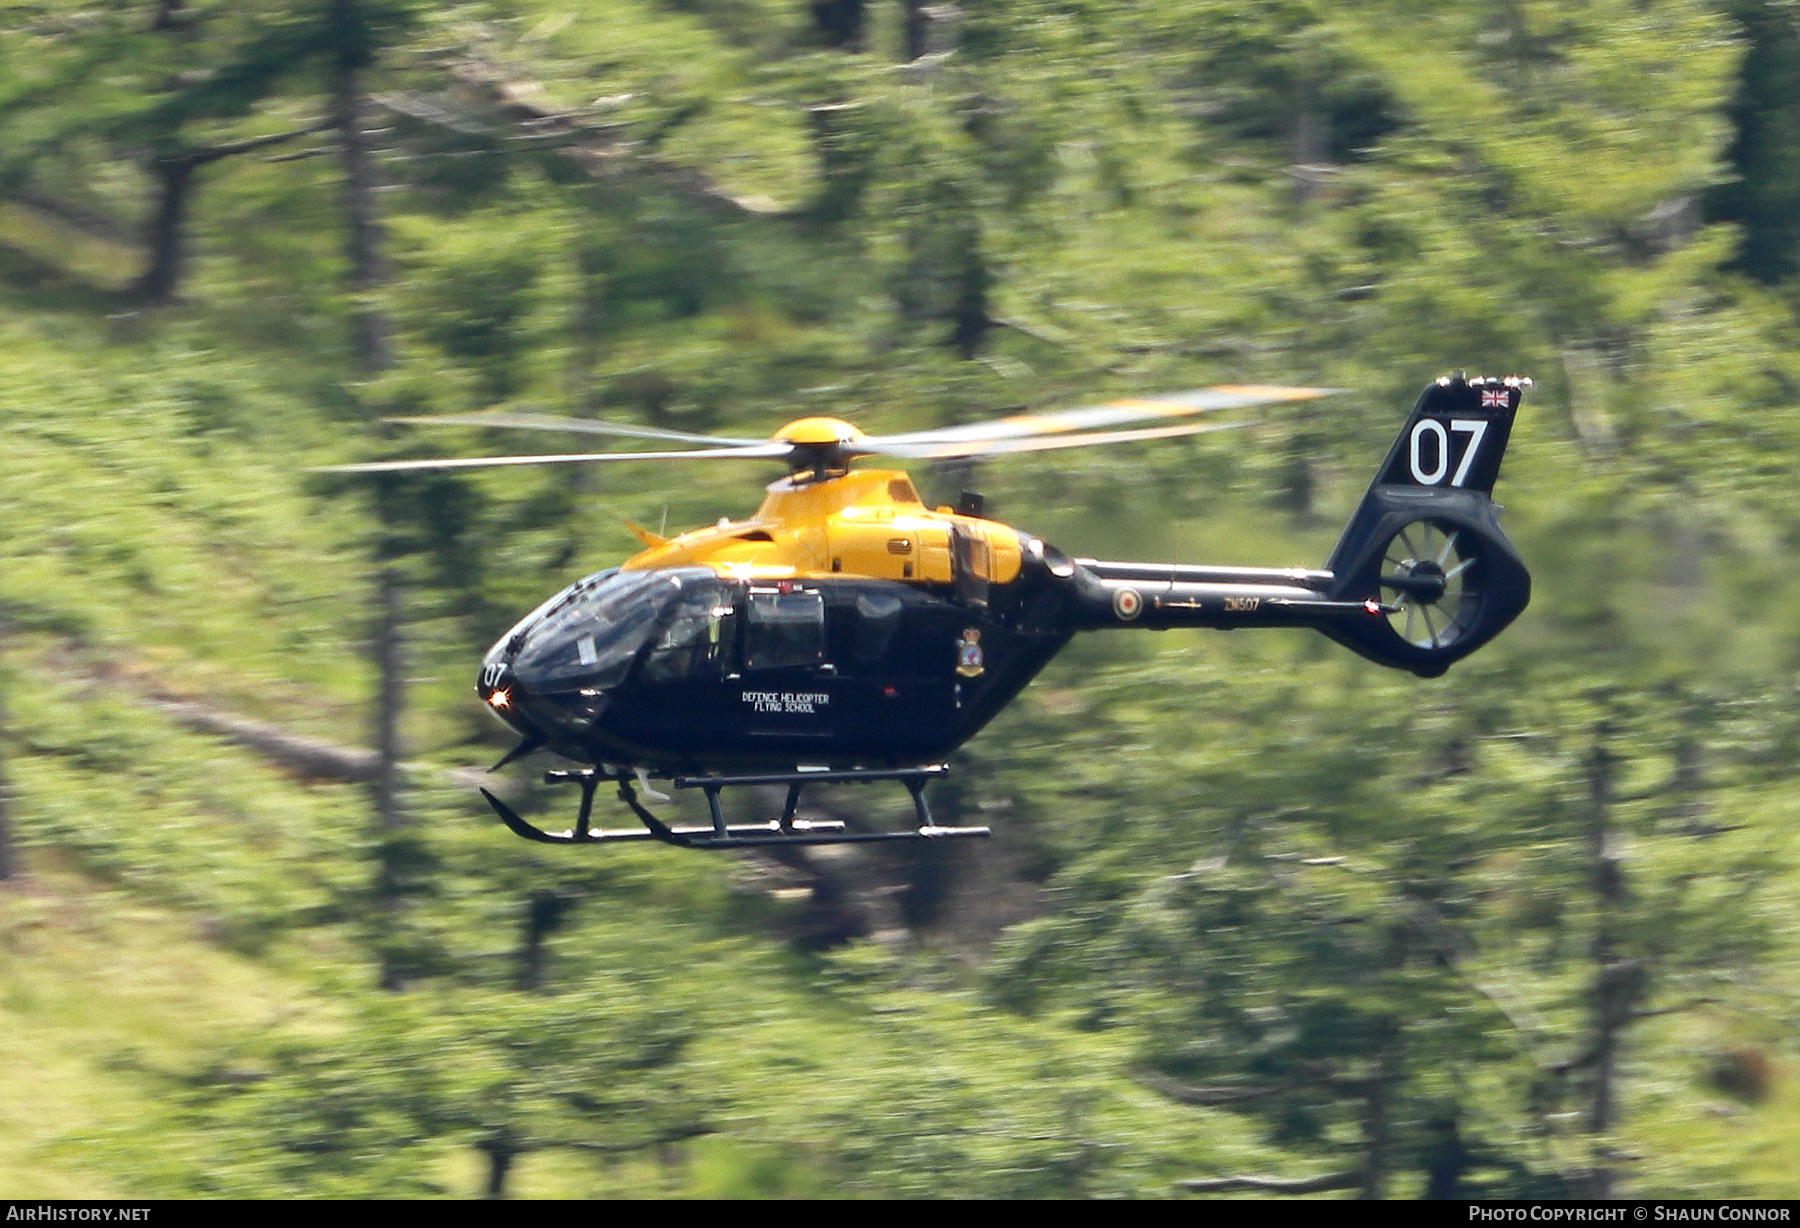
x=847, y=633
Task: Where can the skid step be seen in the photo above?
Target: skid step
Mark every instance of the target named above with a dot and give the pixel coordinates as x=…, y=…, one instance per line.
x=821, y=776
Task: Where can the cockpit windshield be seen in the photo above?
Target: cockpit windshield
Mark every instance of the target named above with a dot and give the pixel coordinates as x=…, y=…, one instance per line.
x=592, y=638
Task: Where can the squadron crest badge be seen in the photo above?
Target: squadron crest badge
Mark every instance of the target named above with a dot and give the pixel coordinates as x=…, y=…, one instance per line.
x=968, y=655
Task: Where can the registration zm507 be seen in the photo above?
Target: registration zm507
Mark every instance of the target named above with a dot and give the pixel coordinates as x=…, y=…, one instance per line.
x=1242, y=605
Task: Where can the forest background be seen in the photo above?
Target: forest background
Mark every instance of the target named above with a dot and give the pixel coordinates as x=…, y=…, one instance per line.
x=1257, y=915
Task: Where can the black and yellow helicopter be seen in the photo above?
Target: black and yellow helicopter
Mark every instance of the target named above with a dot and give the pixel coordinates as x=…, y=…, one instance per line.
x=846, y=632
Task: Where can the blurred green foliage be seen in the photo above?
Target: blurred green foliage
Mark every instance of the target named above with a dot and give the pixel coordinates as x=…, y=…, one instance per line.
x=1254, y=906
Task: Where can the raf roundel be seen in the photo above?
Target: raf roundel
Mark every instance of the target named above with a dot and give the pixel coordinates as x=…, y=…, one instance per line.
x=1128, y=603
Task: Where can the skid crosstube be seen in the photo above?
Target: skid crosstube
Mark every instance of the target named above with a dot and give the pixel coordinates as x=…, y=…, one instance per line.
x=721, y=835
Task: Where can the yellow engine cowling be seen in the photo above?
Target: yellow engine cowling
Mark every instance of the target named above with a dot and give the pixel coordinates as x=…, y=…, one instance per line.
x=887, y=546
x=863, y=523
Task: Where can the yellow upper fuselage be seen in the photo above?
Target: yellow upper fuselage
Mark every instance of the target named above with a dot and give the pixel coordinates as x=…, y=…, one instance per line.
x=866, y=522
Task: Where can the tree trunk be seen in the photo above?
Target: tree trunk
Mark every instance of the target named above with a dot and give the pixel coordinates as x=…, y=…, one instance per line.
x=1376, y=1127
x=1309, y=144
x=955, y=264
x=369, y=346
x=369, y=332
x=930, y=29
x=1446, y=1160
x=7, y=863
x=846, y=162
x=1604, y=869
x=170, y=15
x=969, y=319
x=166, y=230
x=917, y=29
x=1617, y=981
x=165, y=233
x=839, y=23
x=385, y=789
x=500, y=1154
x=544, y=914
x=1299, y=486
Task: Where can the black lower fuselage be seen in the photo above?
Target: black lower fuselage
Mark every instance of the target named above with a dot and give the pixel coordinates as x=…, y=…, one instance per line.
x=687, y=670
x=734, y=674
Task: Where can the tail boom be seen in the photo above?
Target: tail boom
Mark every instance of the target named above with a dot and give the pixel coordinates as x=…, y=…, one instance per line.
x=1422, y=576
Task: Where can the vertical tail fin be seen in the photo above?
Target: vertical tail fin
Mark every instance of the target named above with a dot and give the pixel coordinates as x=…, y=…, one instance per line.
x=1426, y=541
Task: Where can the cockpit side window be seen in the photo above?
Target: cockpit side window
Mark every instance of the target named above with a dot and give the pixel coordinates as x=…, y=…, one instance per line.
x=877, y=618
x=783, y=629
x=698, y=637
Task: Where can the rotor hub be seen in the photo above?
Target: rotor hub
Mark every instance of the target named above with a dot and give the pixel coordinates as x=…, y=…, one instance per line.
x=1426, y=581
x=814, y=432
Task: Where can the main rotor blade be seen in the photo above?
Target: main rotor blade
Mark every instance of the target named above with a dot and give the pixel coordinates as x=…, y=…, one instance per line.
x=579, y=426
x=760, y=451
x=1112, y=413
x=1000, y=447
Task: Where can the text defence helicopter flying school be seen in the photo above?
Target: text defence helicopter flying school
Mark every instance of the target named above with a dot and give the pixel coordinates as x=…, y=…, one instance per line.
x=846, y=632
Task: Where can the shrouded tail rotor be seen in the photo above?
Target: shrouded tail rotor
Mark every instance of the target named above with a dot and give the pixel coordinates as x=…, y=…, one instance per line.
x=1430, y=583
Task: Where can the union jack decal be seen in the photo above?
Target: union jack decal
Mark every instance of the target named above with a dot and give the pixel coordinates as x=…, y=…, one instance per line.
x=1493, y=398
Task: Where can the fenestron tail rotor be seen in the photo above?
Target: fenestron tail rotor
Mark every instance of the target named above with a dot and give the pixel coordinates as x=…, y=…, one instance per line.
x=823, y=446
x=1428, y=583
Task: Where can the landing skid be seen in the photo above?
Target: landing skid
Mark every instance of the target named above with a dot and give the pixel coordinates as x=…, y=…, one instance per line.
x=722, y=835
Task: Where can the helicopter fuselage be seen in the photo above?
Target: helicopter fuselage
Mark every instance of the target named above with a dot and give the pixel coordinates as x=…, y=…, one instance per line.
x=844, y=625
x=846, y=633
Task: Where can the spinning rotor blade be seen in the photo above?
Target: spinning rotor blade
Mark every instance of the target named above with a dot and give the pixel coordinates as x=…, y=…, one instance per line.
x=579, y=426
x=1113, y=413
x=1000, y=447
x=760, y=451
x=1069, y=428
